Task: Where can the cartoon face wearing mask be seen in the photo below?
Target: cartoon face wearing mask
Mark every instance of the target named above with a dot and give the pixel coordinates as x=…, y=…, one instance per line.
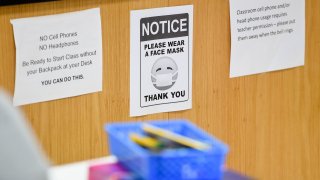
x=164, y=73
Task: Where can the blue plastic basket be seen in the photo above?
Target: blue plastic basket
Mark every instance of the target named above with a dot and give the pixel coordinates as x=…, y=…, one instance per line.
x=171, y=164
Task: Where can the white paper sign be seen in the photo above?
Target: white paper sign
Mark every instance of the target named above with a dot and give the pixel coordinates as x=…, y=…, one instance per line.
x=57, y=56
x=161, y=60
x=266, y=35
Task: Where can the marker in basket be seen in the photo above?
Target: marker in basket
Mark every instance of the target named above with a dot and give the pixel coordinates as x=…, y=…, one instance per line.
x=175, y=137
x=147, y=142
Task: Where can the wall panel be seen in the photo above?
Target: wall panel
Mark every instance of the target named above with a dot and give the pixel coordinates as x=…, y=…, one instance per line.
x=270, y=120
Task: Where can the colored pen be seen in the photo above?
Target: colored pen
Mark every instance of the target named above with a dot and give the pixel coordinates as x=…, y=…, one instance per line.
x=175, y=137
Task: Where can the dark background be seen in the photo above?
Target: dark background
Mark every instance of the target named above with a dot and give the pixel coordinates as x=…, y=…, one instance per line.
x=12, y=2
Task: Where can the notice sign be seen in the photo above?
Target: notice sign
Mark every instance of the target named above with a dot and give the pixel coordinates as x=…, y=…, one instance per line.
x=266, y=35
x=57, y=56
x=161, y=60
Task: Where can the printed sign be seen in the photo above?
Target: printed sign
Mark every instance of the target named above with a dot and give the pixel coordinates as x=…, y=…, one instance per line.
x=161, y=60
x=57, y=56
x=266, y=35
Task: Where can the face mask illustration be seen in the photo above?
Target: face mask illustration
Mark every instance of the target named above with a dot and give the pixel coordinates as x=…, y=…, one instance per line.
x=164, y=73
x=163, y=80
